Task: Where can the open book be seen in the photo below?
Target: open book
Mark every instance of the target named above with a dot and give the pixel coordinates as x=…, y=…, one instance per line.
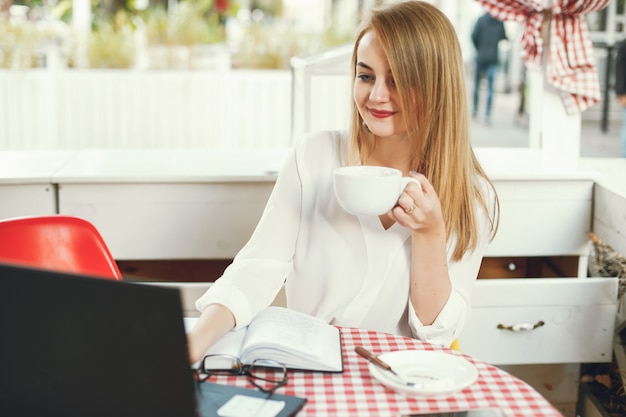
x=297, y=340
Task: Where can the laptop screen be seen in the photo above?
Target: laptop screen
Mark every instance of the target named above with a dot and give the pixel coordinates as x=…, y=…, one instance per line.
x=81, y=346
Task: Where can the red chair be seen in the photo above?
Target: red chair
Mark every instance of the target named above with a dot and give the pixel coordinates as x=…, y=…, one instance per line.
x=57, y=242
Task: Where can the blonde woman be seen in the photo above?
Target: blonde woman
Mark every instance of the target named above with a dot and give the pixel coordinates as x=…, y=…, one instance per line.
x=410, y=271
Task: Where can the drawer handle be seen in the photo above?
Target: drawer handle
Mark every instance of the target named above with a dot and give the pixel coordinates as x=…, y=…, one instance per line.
x=522, y=327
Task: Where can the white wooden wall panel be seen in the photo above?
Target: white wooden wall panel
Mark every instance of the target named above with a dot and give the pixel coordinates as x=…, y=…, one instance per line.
x=536, y=215
x=17, y=200
x=115, y=109
x=609, y=217
x=169, y=221
x=331, y=103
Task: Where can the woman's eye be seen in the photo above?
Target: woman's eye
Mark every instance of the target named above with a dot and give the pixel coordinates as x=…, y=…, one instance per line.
x=364, y=77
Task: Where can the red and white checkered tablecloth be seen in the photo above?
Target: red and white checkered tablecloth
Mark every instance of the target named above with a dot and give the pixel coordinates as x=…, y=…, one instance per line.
x=356, y=393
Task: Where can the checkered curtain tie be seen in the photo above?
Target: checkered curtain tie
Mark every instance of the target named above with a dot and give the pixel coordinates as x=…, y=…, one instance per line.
x=570, y=65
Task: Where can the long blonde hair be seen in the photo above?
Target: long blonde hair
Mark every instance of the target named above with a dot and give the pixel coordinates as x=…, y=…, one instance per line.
x=427, y=66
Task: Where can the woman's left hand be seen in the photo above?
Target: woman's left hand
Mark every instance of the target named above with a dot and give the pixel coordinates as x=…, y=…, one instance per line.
x=419, y=208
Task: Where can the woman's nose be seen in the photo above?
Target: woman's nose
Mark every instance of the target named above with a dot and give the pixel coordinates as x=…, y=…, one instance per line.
x=380, y=92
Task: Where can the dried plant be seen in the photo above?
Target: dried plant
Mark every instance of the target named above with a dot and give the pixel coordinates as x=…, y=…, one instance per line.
x=607, y=262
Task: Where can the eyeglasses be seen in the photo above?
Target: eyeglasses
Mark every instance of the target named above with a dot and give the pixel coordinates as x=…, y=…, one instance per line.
x=266, y=375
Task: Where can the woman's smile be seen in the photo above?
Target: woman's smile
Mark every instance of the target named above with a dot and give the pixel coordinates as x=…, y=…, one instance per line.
x=381, y=114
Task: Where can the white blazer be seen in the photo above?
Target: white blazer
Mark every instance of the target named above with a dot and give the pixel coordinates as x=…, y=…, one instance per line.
x=343, y=268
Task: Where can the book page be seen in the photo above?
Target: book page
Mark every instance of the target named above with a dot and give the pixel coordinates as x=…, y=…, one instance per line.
x=229, y=344
x=297, y=340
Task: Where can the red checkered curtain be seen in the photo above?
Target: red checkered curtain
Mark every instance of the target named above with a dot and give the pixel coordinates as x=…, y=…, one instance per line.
x=570, y=65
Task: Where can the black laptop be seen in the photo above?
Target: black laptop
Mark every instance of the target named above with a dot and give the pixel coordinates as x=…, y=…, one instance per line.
x=82, y=346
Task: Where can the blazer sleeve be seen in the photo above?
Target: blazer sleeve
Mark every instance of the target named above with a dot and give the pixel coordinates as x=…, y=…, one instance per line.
x=258, y=272
x=463, y=274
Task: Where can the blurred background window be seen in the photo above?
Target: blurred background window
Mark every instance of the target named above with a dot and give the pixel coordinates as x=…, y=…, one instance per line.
x=171, y=34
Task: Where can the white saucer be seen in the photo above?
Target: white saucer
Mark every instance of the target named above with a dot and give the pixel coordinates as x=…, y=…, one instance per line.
x=433, y=373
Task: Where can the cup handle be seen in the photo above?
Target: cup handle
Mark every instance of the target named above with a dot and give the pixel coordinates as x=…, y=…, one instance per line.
x=407, y=180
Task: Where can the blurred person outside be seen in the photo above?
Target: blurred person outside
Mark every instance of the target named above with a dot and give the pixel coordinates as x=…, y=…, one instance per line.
x=486, y=35
x=620, y=88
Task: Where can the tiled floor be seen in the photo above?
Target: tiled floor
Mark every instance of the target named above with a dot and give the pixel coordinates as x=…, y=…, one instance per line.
x=506, y=130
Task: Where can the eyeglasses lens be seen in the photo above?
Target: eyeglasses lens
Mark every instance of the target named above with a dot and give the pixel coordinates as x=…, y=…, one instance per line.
x=267, y=375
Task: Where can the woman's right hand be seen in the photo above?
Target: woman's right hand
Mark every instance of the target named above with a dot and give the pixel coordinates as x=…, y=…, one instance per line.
x=215, y=321
x=419, y=208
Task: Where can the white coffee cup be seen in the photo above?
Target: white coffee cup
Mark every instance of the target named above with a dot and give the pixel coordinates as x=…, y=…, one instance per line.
x=369, y=190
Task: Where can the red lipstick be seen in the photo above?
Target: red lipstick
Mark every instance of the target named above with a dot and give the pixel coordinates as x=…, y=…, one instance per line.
x=381, y=114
